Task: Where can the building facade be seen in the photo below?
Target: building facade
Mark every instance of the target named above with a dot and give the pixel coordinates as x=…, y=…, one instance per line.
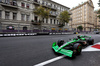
x=98, y=22
x=83, y=15
x=96, y=19
x=18, y=15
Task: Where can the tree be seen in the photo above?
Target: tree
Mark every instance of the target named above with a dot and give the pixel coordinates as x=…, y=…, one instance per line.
x=64, y=17
x=98, y=16
x=42, y=13
x=98, y=13
x=80, y=28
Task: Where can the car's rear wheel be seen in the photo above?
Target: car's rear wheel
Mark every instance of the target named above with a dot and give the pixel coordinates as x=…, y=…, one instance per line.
x=60, y=42
x=91, y=41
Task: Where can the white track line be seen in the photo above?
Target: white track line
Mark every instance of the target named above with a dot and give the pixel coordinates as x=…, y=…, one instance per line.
x=89, y=48
x=50, y=61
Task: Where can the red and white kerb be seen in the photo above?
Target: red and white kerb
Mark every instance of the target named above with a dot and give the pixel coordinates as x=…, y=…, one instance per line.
x=95, y=47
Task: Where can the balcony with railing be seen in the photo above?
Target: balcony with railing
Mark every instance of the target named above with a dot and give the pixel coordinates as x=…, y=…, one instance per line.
x=50, y=7
x=61, y=25
x=11, y=4
x=90, y=23
x=36, y=2
x=70, y=13
x=36, y=22
x=53, y=14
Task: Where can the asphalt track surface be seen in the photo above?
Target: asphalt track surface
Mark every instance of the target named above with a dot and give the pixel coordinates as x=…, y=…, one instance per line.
x=32, y=50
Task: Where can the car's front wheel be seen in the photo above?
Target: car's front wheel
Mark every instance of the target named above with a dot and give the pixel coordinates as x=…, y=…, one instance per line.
x=60, y=42
x=77, y=48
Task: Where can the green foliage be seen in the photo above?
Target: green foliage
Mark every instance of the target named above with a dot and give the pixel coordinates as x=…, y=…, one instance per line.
x=64, y=17
x=80, y=28
x=46, y=13
x=98, y=12
x=61, y=25
x=42, y=12
x=98, y=16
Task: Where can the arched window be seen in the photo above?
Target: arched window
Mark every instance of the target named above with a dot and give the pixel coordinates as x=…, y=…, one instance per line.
x=25, y=28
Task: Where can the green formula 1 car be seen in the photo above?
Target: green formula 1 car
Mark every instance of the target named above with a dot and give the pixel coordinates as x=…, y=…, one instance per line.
x=73, y=47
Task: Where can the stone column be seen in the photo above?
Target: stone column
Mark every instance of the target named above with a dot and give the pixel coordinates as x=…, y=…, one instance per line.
x=10, y=15
x=3, y=14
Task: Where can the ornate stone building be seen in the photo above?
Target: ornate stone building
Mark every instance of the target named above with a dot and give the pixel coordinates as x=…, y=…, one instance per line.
x=18, y=15
x=96, y=19
x=83, y=15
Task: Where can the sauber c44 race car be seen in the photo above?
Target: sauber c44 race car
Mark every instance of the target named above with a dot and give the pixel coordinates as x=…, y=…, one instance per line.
x=73, y=47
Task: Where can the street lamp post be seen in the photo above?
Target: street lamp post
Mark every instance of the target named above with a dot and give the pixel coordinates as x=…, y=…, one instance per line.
x=18, y=27
x=84, y=20
x=71, y=23
x=31, y=29
x=0, y=26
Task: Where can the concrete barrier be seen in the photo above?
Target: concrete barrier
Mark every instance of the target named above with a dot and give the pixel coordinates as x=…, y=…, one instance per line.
x=59, y=33
x=41, y=33
x=31, y=34
x=1, y=35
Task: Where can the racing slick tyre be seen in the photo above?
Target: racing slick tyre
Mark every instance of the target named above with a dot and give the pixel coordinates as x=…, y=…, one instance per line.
x=91, y=41
x=74, y=54
x=60, y=42
x=77, y=48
